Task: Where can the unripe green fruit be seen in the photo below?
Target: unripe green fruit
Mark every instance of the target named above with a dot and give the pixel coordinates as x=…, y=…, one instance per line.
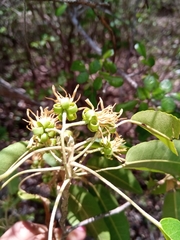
x=88, y=114
x=60, y=116
x=51, y=134
x=38, y=131
x=72, y=108
x=93, y=125
x=57, y=108
x=53, y=141
x=45, y=122
x=65, y=102
x=44, y=137
x=107, y=151
x=71, y=117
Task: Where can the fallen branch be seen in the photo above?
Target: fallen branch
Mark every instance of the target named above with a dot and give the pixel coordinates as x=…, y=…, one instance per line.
x=17, y=94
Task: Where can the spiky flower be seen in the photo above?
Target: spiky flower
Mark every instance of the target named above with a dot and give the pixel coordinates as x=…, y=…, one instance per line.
x=103, y=119
x=65, y=104
x=41, y=124
x=114, y=147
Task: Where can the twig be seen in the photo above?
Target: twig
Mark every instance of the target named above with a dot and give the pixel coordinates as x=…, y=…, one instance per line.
x=93, y=219
x=7, y=91
x=92, y=44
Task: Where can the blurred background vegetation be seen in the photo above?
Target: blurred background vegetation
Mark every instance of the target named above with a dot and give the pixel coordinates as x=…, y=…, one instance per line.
x=55, y=42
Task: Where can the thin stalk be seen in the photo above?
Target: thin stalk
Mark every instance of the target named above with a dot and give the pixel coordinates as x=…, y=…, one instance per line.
x=145, y=214
x=31, y=171
x=80, y=123
x=56, y=203
x=95, y=218
x=83, y=151
x=109, y=168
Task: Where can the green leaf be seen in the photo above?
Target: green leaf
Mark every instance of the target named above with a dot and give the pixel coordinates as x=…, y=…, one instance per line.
x=171, y=227
x=164, y=126
x=176, y=96
x=117, y=224
x=113, y=80
x=108, y=54
x=143, y=106
x=166, y=85
x=110, y=67
x=13, y=185
x=142, y=134
x=149, y=62
x=120, y=177
x=10, y=154
x=141, y=49
x=82, y=77
x=150, y=82
x=171, y=206
x=94, y=66
x=168, y=105
x=83, y=205
x=97, y=84
x=126, y=106
x=60, y=10
x=27, y=196
x=78, y=66
x=158, y=93
x=154, y=156
x=142, y=93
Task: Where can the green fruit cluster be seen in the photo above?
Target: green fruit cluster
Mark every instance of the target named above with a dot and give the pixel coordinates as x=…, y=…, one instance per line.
x=90, y=118
x=66, y=105
x=41, y=132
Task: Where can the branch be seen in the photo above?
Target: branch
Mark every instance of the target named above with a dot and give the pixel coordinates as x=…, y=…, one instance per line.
x=17, y=94
x=127, y=77
x=97, y=49
x=93, y=219
x=92, y=44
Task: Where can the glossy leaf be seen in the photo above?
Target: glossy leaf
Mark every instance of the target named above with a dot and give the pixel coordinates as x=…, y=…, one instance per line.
x=83, y=205
x=168, y=105
x=171, y=227
x=141, y=49
x=94, y=66
x=10, y=154
x=150, y=82
x=120, y=178
x=171, y=206
x=117, y=224
x=176, y=96
x=154, y=156
x=82, y=77
x=164, y=126
x=78, y=66
x=166, y=85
